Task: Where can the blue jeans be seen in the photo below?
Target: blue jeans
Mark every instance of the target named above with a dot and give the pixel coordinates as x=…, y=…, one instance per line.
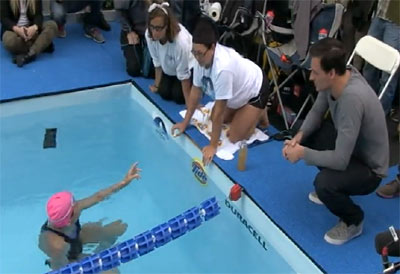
x=389, y=33
x=59, y=10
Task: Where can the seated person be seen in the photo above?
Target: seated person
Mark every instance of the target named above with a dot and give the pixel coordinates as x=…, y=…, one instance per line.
x=386, y=28
x=169, y=44
x=238, y=86
x=352, y=153
x=133, y=15
x=62, y=236
x=91, y=20
x=23, y=31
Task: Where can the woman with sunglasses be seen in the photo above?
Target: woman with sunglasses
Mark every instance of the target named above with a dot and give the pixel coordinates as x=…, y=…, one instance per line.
x=169, y=44
x=62, y=237
x=238, y=86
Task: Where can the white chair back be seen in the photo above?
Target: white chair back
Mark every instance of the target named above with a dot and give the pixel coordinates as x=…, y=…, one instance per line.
x=379, y=55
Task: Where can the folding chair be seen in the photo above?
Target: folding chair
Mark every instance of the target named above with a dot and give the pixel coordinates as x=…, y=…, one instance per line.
x=379, y=55
x=328, y=18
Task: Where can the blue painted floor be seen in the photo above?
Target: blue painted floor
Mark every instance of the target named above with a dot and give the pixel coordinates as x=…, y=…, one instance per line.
x=279, y=188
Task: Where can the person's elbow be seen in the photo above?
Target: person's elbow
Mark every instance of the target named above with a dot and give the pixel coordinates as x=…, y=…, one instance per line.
x=341, y=162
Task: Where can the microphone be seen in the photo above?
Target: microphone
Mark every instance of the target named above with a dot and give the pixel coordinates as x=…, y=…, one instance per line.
x=387, y=243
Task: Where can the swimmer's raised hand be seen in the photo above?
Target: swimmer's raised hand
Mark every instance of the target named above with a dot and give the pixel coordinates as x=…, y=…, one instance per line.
x=133, y=173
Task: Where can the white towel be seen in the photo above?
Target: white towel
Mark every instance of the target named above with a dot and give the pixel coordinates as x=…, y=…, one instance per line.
x=226, y=149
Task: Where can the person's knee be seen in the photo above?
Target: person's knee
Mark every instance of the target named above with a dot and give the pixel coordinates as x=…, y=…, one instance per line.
x=165, y=92
x=177, y=96
x=321, y=182
x=12, y=42
x=233, y=137
x=132, y=66
x=50, y=27
x=133, y=71
x=116, y=228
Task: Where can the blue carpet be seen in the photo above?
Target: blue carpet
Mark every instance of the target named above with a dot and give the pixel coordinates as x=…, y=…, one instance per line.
x=279, y=188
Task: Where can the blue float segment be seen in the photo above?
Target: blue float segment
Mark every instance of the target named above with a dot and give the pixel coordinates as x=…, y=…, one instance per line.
x=178, y=226
x=146, y=242
x=193, y=218
x=110, y=258
x=91, y=264
x=129, y=250
x=72, y=268
x=210, y=207
x=162, y=234
x=143, y=243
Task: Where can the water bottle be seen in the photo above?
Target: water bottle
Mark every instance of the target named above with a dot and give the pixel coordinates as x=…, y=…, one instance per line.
x=269, y=18
x=242, y=156
x=322, y=34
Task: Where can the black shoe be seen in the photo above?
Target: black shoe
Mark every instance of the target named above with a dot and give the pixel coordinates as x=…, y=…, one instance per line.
x=287, y=134
x=23, y=59
x=103, y=24
x=50, y=48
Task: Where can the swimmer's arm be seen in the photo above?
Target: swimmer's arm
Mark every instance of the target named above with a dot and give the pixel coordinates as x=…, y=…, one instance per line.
x=133, y=173
x=57, y=250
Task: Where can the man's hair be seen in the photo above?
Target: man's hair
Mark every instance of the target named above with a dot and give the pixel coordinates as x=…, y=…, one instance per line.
x=169, y=19
x=205, y=32
x=331, y=53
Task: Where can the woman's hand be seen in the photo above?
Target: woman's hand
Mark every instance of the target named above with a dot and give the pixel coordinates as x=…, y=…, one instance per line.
x=31, y=31
x=208, y=154
x=133, y=38
x=133, y=173
x=177, y=129
x=153, y=88
x=20, y=31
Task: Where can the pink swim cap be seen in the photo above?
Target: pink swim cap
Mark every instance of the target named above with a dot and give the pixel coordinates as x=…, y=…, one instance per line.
x=59, y=209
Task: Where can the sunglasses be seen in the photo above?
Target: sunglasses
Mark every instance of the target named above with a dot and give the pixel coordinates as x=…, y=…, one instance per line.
x=199, y=53
x=157, y=28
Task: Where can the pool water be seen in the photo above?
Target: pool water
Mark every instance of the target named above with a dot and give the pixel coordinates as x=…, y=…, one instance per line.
x=99, y=134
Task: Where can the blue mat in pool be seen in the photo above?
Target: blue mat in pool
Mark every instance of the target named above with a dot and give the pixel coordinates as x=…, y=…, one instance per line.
x=279, y=188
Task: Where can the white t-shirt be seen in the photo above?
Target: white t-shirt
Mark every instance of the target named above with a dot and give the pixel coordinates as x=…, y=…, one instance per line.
x=176, y=58
x=230, y=77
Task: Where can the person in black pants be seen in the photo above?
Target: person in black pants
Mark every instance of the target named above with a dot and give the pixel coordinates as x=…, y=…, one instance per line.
x=352, y=153
x=170, y=45
x=133, y=16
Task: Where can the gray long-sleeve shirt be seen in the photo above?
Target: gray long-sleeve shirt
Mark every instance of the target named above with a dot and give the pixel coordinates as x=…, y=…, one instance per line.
x=360, y=123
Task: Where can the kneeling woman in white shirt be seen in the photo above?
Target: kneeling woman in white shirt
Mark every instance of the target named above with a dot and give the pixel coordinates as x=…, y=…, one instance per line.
x=238, y=86
x=170, y=47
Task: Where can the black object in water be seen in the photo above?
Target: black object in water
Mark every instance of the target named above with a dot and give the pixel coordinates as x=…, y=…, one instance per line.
x=49, y=140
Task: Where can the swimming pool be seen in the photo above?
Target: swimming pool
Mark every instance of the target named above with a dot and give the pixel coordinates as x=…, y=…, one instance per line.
x=100, y=132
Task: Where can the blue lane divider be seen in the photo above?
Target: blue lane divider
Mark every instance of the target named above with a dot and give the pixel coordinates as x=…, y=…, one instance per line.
x=144, y=242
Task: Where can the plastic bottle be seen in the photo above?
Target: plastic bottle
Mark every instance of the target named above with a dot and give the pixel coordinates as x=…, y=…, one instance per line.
x=242, y=156
x=323, y=33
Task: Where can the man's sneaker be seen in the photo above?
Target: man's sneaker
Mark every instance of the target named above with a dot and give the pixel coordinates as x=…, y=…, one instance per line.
x=62, y=33
x=314, y=198
x=341, y=233
x=390, y=190
x=95, y=34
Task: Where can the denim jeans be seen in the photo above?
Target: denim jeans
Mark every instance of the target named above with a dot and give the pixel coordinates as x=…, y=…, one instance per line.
x=389, y=33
